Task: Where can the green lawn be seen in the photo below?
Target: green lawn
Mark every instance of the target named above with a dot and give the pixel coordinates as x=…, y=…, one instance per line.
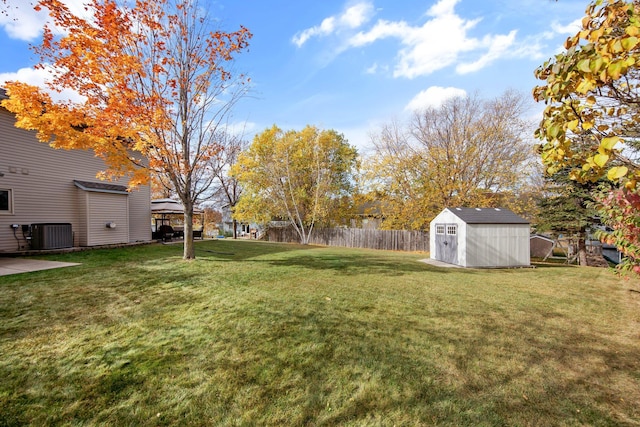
x=255, y=333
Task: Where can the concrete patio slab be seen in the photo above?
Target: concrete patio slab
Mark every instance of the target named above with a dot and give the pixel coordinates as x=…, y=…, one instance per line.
x=437, y=263
x=26, y=265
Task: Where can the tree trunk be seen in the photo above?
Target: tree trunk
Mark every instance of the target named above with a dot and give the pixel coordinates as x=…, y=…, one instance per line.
x=235, y=229
x=582, y=251
x=189, y=249
x=305, y=234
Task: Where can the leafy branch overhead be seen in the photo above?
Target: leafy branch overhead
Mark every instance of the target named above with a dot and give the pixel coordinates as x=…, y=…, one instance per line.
x=591, y=92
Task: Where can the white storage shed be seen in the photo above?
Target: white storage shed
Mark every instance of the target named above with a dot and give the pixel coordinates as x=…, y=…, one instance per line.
x=480, y=237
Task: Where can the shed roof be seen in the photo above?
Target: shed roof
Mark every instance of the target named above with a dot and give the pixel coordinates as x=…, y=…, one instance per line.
x=3, y=94
x=488, y=216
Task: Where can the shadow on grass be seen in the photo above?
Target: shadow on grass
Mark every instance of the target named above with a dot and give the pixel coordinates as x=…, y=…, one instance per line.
x=352, y=264
x=365, y=262
x=240, y=250
x=345, y=261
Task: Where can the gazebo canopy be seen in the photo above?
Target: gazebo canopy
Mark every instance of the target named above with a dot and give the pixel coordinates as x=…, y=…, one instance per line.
x=170, y=207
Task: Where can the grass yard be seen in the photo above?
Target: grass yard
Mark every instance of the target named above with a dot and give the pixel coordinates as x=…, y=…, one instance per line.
x=254, y=333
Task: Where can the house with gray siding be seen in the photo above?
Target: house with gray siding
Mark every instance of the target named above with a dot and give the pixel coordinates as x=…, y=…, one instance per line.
x=56, y=195
x=480, y=237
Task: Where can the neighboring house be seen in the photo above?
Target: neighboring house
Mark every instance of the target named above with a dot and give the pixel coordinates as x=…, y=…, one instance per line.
x=480, y=237
x=611, y=253
x=243, y=228
x=51, y=198
x=368, y=216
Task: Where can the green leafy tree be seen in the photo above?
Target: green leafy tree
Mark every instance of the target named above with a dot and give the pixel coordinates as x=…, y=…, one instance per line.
x=301, y=176
x=567, y=208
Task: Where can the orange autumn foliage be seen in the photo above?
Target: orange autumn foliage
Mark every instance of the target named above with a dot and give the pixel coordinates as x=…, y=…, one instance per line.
x=121, y=63
x=152, y=84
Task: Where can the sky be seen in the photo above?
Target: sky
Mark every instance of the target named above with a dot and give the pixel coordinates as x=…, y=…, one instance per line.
x=354, y=65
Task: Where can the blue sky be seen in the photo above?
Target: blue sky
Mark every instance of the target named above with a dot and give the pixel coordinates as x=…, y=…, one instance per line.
x=353, y=65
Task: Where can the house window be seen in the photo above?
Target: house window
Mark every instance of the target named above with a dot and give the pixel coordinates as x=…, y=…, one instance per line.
x=452, y=230
x=6, y=202
x=439, y=229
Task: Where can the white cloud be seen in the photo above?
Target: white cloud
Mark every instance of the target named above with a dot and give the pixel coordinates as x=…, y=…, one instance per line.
x=372, y=69
x=443, y=39
x=498, y=47
x=570, y=29
x=433, y=97
x=39, y=77
x=443, y=7
x=356, y=15
x=22, y=22
x=438, y=43
x=244, y=130
x=381, y=30
x=351, y=18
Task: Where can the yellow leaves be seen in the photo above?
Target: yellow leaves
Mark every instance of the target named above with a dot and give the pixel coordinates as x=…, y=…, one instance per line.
x=574, y=175
x=631, y=184
x=629, y=43
x=609, y=143
x=587, y=84
x=600, y=159
x=573, y=124
x=554, y=131
x=615, y=70
x=632, y=30
x=583, y=66
x=589, y=92
x=294, y=174
x=617, y=172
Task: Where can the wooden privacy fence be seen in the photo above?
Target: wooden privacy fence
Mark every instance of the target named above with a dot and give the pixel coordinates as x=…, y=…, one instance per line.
x=392, y=240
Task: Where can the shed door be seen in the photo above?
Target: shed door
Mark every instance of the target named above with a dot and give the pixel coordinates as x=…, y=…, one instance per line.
x=447, y=243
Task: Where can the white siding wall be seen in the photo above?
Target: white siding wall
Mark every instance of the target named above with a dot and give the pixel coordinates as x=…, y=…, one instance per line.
x=41, y=179
x=486, y=245
x=463, y=239
x=497, y=245
x=447, y=217
x=106, y=208
x=81, y=235
x=140, y=214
